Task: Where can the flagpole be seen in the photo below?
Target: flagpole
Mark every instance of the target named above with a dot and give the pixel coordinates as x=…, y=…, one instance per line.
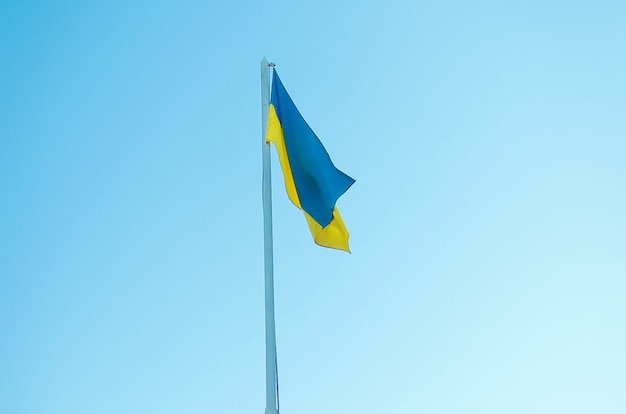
x=271, y=385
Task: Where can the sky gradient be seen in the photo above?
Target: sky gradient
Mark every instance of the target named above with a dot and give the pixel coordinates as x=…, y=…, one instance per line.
x=488, y=217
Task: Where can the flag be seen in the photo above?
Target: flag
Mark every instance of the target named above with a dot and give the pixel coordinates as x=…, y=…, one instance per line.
x=312, y=181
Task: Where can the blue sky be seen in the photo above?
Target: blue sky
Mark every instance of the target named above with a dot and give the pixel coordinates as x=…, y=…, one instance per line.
x=488, y=222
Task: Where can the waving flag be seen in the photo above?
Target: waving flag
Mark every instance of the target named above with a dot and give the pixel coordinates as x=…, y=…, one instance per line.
x=312, y=181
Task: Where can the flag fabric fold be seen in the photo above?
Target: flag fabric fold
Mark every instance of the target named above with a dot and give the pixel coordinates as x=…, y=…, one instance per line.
x=312, y=181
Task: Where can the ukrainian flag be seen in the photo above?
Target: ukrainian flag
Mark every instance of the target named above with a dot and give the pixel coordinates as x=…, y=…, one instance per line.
x=312, y=181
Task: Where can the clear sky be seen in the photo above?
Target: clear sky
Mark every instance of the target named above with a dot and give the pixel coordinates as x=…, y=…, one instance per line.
x=488, y=219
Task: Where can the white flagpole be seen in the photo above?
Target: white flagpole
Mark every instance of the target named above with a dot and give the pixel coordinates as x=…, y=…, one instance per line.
x=271, y=385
